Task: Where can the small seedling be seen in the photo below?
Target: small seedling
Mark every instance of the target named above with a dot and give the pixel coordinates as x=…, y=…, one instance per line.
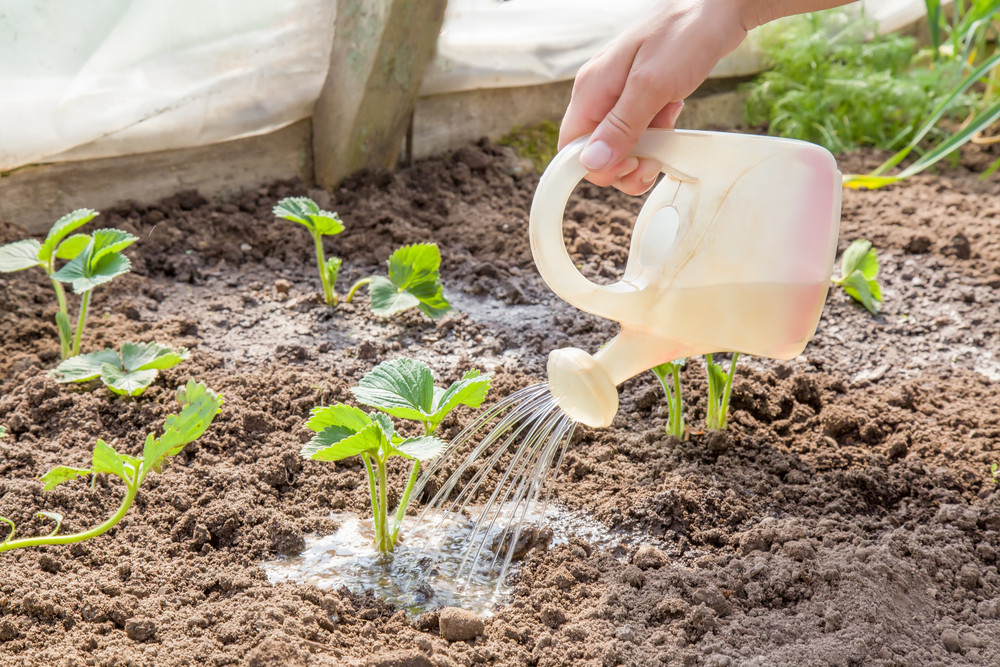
x=320, y=223
x=127, y=373
x=3, y=431
x=92, y=260
x=675, y=404
x=994, y=472
x=403, y=388
x=414, y=281
x=199, y=405
x=720, y=386
x=859, y=275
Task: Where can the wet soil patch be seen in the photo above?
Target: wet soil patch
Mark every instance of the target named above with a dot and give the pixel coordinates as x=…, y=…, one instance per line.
x=847, y=517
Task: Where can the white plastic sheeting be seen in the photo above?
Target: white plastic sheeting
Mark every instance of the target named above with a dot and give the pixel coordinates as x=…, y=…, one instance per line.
x=495, y=44
x=98, y=78
x=83, y=79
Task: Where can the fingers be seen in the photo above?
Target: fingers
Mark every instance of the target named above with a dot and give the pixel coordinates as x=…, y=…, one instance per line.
x=595, y=91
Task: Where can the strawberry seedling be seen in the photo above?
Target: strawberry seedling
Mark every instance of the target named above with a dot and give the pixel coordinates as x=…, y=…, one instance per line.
x=859, y=273
x=199, y=405
x=402, y=388
x=675, y=404
x=127, y=373
x=320, y=223
x=720, y=386
x=91, y=260
x=414, y=282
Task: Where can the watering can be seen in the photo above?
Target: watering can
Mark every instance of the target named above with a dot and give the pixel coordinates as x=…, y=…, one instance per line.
x=732, y=252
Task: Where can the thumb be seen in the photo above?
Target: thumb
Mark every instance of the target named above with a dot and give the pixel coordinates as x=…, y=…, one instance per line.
x=622, y=127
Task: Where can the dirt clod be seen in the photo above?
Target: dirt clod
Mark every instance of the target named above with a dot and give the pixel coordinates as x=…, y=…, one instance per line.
x=457, y=624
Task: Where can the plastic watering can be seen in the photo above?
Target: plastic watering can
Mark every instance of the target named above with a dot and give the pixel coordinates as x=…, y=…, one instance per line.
x=732, y=252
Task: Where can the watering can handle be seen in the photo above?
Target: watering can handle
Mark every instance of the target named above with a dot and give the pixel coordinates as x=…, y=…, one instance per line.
x=545, y=229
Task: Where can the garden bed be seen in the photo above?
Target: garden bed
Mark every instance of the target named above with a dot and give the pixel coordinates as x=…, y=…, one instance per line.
x=847, y=517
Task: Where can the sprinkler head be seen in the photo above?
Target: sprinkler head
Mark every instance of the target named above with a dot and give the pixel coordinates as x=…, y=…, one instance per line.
x=582, y=387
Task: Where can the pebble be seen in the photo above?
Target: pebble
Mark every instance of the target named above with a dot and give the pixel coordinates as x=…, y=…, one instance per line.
x=401, y=658
x=648, y=557
x=282, y=286
x=457, y=624
x=951, y=641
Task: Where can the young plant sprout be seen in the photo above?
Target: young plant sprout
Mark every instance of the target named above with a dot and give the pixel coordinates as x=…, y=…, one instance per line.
x=720, y=386
x=414, y=281
x=92, y=261
x=320, y=223
x=859, y=275
x=402, y=388
x=675, y=404
x=127, y=373
x=199, y=405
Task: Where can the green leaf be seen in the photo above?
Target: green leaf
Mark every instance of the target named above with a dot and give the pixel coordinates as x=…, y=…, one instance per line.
x=403, y=388
x=62, y=228
x=3, y=431
x=860, y=289
x=20, y=255
x=338, y=442
x=306, y=212
x=859, y=273
x=127, y=383
x=72, y=246
x=423, y=448
x=99, y=262
x=85, y=367
x=414, y=281
x=52, y=516
x=57, y=476
x=385, y=423
x=332, y=269
x=150, y=356
x=107, y=460
x=342, y=415
x=855, y=256
x=387, y=299
x=199, y=407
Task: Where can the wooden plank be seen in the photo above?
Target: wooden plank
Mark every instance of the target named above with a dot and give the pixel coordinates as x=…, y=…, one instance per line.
x=380, y=53
x=35, y=196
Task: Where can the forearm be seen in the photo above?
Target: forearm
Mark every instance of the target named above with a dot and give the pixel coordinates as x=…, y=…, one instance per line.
x=755, y=13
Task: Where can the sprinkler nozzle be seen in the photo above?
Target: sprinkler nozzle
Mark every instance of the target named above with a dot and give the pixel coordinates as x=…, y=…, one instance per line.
x=582, y=387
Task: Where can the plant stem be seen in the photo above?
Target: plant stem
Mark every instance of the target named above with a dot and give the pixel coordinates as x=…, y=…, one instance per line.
x=371, y=491
x=384, y=543
x=677, y=409
x=405, y=500
x=724, y=417
x=64, y=343
x=84, y=302
x=355, y=287
x=133, y=488
x=328, y=295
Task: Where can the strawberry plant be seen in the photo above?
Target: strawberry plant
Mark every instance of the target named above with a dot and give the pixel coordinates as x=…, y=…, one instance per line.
x=199, y=405
x=403, y=388
x=127, y=373
x=320, y=223
x=859, y=275
x=720, y=386
x=414, y=281
x=92, y=259
x=675, y=404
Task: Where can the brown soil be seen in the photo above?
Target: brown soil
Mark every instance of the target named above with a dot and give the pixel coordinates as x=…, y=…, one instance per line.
x=848, y=516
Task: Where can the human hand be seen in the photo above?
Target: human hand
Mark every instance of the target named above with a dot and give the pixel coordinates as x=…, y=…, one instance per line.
x=640, y=80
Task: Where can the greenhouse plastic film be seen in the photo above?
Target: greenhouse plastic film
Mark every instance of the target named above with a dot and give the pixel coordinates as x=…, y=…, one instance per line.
x=130, y=76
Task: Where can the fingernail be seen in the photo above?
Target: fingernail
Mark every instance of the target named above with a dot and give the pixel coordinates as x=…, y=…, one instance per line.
x=646, y=179
x=596, y=156
x=630, y=166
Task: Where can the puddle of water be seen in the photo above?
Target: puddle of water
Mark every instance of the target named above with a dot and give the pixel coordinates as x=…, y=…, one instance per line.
x=422, y=575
